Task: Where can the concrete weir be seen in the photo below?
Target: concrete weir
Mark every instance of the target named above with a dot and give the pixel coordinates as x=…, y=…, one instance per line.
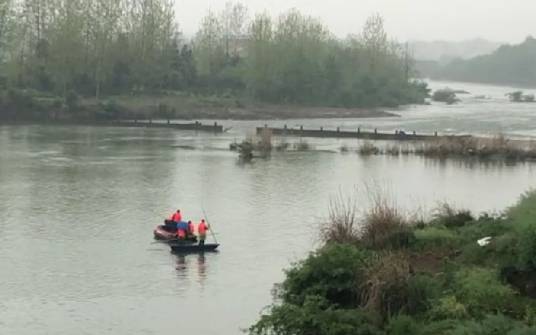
x=358, y=134
x=197, y=126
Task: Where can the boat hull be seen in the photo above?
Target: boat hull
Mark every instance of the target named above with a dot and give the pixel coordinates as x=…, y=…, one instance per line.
x=183, y=248
x=161, y=233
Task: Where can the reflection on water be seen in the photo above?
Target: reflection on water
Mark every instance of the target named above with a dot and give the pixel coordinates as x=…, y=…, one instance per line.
x=185, y=263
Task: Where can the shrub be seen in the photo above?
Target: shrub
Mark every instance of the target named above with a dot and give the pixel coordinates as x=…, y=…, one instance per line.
x=522, y=216
x=448, y=307
x=383, y=225
x=342, y=226
x=315, y=316
x=482, y=292
x=367, y=149
x=450, y=217
x=436, y=237
x=527, y=245
x=422, y=291
x=492, y=325
x=283, y=145
x=335, y=273
x=385, y=290
x=302, y=145
x=402, y=325
x=441, y=327
x=393, y=150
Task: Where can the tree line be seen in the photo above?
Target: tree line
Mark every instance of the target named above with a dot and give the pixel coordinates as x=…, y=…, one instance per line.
x=508, y=65
x=98, y=48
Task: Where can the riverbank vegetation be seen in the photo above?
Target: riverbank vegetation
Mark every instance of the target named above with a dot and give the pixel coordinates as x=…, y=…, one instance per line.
x=495, y=148
x=383, y=273
x=76, y=59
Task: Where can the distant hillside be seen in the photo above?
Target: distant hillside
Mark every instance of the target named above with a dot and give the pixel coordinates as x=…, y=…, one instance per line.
x=445, y=51
x=510, y=64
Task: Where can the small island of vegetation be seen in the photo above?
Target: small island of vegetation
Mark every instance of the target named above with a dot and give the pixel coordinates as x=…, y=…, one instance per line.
x=519, y=96
x=390, y=275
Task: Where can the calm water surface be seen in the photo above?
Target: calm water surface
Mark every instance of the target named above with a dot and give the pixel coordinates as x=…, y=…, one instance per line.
x=78, y=205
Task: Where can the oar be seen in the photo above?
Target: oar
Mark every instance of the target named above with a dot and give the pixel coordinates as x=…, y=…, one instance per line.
x=210, y=227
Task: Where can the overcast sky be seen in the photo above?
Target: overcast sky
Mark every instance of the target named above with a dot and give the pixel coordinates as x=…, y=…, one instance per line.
x=497, y=20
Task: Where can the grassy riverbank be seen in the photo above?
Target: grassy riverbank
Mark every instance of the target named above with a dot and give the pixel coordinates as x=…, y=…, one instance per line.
x=31, y=105
x=391, y=275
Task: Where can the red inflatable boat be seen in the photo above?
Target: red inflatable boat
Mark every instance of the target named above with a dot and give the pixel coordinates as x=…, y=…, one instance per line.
x=165, y=233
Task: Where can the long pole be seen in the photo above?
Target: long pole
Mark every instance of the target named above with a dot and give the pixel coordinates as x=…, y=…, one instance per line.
x=210, y=226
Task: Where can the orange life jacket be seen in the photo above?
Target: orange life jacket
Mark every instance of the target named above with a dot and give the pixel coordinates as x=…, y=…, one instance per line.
x=202, y=228
x=176, y=217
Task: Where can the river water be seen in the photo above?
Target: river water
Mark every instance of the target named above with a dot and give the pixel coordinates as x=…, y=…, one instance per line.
x=78, y=205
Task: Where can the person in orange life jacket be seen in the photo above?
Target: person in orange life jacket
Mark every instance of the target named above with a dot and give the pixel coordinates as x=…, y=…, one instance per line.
x=177, y=216
x=174, y=219
x=171, y=223
x=191, y=228
x=202, y=229
x=182, y=230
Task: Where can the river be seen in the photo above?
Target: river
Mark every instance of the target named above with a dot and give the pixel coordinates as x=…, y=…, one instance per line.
x=78, y=205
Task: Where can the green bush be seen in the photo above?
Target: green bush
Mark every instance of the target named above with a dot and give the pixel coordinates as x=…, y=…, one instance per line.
x=448, y=307
x=436, y=237
x=472, y=253
x=523, y=217
x=403, y=325
x=315, y=316
x=335, y=273
x=481, y=291
x=442, y=327
x=423, y=290
x=451, y=217
x=492, y=325
x=527, y=245
x=385, y=291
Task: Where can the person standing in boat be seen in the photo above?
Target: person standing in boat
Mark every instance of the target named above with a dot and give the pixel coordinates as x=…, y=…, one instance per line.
x=202, y=229
x=191, y=229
